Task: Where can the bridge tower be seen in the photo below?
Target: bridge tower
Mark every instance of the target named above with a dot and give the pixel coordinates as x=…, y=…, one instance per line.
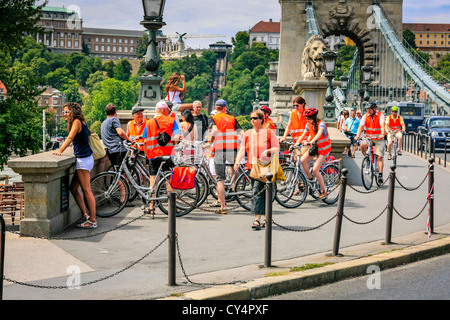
x=352, y=18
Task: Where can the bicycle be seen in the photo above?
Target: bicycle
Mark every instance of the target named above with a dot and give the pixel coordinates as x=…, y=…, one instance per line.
x=237, y=186
x=112, y=190
x=369, y=167
x=394, y=150
x=293, y=192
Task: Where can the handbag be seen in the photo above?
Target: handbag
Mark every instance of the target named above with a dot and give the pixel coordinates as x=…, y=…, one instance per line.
x=183, y=178
x=163, y=138
x=96, y=145
x=314, y=150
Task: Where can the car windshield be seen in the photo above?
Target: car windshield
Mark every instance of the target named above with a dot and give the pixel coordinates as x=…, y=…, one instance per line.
x=440, y=123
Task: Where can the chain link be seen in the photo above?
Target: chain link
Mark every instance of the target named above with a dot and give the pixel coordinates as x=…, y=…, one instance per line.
x=90, y=282
x=401, y=216
x=370, y=221
x=370, y=191
x=304, y=230
x=412, y=189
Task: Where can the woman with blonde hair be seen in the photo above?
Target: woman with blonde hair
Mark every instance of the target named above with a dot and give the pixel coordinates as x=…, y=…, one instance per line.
x=79, y=136
x=175, y=94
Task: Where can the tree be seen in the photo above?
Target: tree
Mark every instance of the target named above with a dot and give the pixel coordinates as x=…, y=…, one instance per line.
x=122, y=70
x=20, y=116
x=409, y=39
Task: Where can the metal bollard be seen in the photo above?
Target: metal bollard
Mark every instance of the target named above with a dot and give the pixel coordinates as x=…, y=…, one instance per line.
x=268, y=215
x=172, y=238
x=340, y=214
x=390, y=206
x=431, y=193
x=2, y=253
x=445, y=153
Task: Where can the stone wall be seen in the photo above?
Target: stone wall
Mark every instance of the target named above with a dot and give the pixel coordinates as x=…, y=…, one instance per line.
x=49, y=206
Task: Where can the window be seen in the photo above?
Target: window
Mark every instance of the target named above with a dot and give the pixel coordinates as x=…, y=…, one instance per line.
x=69, y=35
x=126, y=50
x=55, y=43
x=69, y=44
x=61, y=43
x=96, y=48
x=76, y=43
x=108, y=48
x=114, y=49
x=120, y=49
x=103, y=39
x=131, y=41
x=131, y=50
x=96, y=40
x=108, y=40
x=120, y=40
x=114, y=40
x=126, y=41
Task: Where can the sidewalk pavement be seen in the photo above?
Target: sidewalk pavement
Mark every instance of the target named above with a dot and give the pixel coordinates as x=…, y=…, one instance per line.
x=223, y=249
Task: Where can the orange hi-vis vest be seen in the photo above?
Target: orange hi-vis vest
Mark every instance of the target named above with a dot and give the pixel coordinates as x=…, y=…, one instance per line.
x=227, y=138
x=152, y=148
x=298, y=124
x=394, y=124
x=324, y=142
x=268, y=124
x=373, y=126
x=134, y=132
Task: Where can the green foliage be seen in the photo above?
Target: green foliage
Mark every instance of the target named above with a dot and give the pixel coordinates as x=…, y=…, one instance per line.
x=409, y=39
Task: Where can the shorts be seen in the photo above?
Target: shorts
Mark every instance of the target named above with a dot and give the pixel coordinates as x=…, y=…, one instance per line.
x=84, y=163
x=153, y=166
x=116, y=158
x=221, y=157
x=391, y=135
x=351, y=136
x=378, y=147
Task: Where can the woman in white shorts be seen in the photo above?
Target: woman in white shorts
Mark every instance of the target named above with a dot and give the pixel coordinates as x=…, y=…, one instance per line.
x=79, y=136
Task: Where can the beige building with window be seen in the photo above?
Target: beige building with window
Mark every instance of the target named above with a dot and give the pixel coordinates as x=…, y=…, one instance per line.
x=431, y=36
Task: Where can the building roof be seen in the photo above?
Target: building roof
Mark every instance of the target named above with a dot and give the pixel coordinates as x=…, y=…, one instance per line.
x=113, y=32
x=59, y=10
x=427, y=27
x=2, y=86
x=266, y=27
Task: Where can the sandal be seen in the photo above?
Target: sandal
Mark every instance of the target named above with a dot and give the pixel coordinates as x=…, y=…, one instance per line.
x=86, y=217
x=263, y=225
x=150, y=211
x=88, y=224
x=256, y=225
x=221, y=211
x=389, y=157
x=399, y=153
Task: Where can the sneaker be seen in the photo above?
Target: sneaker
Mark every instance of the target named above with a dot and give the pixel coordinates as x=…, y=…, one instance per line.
x=380, y=178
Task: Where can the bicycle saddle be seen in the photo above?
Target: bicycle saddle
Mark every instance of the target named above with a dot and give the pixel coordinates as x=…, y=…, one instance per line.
x=163, y=158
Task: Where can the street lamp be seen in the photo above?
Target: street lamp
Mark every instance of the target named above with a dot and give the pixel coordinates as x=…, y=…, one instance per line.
x=151, y=91
x=367, y=79
x=256, y=103
x=344, y=85
x=329, y=111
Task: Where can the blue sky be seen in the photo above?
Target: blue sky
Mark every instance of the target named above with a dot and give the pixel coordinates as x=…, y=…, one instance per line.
x=203, y=17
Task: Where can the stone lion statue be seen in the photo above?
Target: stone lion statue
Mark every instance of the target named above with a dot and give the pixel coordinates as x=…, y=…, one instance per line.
x=312, y=61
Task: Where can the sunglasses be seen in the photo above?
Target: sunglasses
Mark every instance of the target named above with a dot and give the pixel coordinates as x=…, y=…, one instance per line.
x=66, y=112
x=297, y=105
x=255, y=118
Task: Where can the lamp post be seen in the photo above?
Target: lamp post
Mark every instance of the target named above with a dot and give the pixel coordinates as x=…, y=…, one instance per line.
x=367, y=79
x=329, y=110
x=344, y=85
x=151, y=91
x=256, y=103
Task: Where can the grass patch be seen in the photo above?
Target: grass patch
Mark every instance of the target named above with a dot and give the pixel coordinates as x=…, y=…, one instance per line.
x=305, y=267
x=176, y=294
x=310, y=266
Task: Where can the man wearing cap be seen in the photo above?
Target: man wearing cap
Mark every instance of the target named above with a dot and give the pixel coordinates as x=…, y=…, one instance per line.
x=162, y=122
x=224, y=128
x=135, y=128
x=374, y=122
x=394, y=127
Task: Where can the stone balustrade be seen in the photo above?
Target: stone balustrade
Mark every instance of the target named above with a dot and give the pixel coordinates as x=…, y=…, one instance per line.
x=49, y=205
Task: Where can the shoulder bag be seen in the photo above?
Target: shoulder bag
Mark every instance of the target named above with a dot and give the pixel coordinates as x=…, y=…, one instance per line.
x=163, y=138
x=96, y=145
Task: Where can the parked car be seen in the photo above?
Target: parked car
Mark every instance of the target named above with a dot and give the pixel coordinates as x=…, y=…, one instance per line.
x=438, y=128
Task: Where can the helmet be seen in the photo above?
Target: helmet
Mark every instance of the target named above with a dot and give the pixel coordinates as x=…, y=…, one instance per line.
x=371, y=105
x=266, y=109
x=394, y=108
x=310, y=112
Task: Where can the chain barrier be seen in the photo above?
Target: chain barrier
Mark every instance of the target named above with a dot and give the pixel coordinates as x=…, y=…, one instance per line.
x=370, y=221
x=370, y=191
x=90, y=282
x=412, y=189
x=228, y=209
x=405, y=218
x=197, y=283
x=304, y=230
x=79, y=237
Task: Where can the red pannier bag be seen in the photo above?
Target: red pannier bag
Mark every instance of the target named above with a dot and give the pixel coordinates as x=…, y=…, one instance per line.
x=183, y=178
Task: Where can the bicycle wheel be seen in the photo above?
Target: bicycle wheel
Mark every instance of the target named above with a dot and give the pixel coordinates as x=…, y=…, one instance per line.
x=331, y=174
x=367, y=173
x=136, y=176
x=203, y=186
x=244, y=190
x=186, y=200
x=110, y=196
x=292, y=192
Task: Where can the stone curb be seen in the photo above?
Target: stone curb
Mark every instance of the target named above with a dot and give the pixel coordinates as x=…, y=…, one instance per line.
x=266, y=287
